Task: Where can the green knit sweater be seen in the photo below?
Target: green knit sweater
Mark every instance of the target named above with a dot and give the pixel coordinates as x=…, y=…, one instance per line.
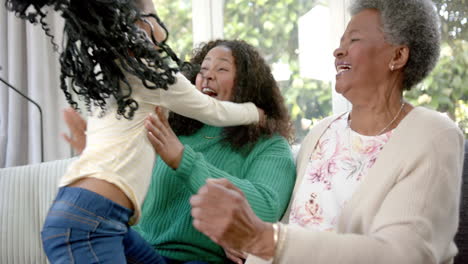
x=266, y=175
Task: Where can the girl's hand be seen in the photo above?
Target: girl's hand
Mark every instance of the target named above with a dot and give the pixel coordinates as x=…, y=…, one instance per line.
x=163, y=139
x=77, y=126
x=261, y=117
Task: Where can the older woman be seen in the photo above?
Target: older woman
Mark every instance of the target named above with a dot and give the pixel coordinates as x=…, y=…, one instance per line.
x=380, y=184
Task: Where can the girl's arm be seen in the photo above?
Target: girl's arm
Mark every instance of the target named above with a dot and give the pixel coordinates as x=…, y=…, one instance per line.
x=183, y=98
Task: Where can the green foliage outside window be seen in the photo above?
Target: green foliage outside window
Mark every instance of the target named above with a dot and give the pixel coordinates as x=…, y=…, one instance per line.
x=177, y=16
x=272, y=27
x=446, y=89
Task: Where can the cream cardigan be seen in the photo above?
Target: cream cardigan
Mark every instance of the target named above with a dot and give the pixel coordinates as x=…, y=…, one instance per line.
x=405, y=210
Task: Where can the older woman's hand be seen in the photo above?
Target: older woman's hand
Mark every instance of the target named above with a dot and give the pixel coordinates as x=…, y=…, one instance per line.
x=163, y=139
x=77, y=126
x=221, y=211
x=235, y=256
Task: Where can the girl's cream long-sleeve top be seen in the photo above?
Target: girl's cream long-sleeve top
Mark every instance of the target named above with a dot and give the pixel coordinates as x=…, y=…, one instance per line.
x=117, y=149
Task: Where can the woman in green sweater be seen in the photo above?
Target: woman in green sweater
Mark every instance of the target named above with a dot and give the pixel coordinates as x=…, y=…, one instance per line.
x=258, y=160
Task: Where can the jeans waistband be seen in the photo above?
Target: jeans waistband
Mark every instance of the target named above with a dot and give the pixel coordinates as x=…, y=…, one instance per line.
x=94, y=203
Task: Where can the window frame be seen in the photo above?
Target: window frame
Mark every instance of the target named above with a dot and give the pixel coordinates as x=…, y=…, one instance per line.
x=208, y=24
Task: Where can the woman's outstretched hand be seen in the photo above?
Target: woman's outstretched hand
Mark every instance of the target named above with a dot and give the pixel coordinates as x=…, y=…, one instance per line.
x=163, y=139
x=77, y=126
x=221, y=211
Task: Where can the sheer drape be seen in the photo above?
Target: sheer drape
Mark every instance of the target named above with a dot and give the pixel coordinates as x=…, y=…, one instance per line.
x=30, y=64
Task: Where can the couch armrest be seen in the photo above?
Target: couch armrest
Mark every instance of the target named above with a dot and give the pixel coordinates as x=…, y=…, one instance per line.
x=26, y=193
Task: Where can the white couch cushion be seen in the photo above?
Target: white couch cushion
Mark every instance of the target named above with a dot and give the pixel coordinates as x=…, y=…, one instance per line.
x=26, y=193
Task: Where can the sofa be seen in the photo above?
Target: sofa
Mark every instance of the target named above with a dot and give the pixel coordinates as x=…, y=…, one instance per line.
x=26, y=193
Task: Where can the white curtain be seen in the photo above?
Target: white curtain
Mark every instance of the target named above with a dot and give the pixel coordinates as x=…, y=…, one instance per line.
x=30, y=64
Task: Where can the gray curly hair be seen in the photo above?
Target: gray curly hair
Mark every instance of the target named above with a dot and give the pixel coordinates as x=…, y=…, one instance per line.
x=413, y=23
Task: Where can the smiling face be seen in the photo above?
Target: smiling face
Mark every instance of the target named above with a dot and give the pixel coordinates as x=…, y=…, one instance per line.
x=362, y=60
x=217, y=74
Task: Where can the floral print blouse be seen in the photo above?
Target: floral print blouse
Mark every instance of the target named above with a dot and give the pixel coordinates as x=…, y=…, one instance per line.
x=340, y=160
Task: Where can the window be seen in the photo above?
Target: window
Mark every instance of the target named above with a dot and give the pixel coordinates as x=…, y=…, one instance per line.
x=297, y=38
x=177, y=16
x=294, y=38
x=446, y=89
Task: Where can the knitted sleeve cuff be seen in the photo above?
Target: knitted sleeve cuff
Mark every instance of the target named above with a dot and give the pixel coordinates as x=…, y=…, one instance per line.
x=188, y=171
x=186, y=164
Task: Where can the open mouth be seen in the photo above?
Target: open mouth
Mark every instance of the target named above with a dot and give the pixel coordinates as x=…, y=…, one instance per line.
x=209, y=92
x=342, y=68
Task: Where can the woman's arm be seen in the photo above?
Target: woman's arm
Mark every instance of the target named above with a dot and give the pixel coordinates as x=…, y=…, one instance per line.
x=415, y=223
x=220, y=210
x=183, y=98
x=267, y=175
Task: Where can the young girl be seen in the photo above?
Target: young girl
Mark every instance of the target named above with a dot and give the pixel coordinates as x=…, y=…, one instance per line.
x=119, y=65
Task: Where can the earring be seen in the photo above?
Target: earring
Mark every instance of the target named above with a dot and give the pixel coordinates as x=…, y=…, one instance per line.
x=392, y=67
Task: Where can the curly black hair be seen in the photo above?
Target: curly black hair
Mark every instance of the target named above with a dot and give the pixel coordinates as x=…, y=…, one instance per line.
x=255, y=83
x=102, y=41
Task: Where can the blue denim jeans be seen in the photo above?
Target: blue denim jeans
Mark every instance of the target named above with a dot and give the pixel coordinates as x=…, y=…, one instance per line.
x=85, y=227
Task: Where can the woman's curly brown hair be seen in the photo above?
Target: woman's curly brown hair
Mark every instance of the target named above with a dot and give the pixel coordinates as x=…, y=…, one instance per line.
x=255, y=83
x=101, y=42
